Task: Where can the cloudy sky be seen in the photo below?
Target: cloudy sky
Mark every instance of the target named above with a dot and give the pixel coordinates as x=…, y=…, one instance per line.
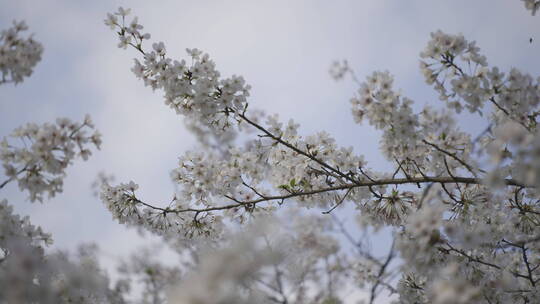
x=282, y=48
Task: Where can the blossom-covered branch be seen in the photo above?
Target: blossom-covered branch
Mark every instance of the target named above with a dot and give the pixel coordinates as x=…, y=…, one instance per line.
x=464, y=211
x=38, y=164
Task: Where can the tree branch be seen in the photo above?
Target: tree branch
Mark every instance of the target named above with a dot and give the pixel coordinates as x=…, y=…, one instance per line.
x=359, y=184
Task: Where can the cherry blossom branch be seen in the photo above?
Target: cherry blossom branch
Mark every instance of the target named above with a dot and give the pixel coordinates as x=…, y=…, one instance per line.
x=380, y=275
x=448, y=60
x=294, y=148
x=469, y=257
x=492, y=99
x=483, y=262
x=339, y=202
x=527, y=265
x=522, y=242
x=7, y=181
x=526, y=262
x=371, y=183
x=452, y=155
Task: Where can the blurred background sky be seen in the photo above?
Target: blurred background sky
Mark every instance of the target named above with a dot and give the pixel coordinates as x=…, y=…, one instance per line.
x=283, y=49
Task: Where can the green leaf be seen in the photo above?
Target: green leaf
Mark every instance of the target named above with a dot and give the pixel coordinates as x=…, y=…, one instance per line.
x=293, y=182
x=443, y=136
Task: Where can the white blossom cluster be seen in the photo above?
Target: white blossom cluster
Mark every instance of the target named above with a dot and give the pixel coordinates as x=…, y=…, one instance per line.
x=271, y=261
x=16, y=229
x=129, y=210
x=18, y=55
x=194, y=89
x=463, y=208
x=514, y=95
x=386, y=110
x=440, y=64
x=471, y=231
x=339, y=69
x=237, y=183
x=28, y=273
x=38, y=161
x=417, y=143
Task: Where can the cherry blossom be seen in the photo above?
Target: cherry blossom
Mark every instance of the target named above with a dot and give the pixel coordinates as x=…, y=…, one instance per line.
x=18, y=55
x=255, y=217
x=443, y=230
x=38, y=164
